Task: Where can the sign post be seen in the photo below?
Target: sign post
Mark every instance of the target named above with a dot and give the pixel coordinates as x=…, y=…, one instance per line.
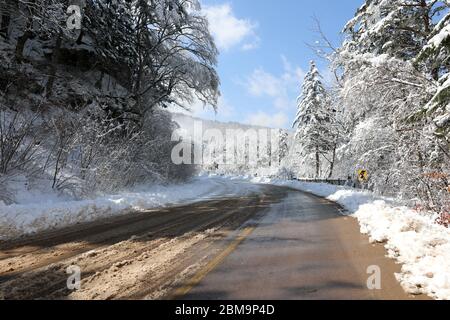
x=363, y=177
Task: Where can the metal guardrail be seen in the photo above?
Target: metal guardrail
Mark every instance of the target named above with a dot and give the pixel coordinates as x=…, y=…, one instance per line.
x=336, y=182
x=339, y=182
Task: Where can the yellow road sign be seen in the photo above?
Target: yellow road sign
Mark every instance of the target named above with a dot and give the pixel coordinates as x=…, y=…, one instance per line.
x=363, y=175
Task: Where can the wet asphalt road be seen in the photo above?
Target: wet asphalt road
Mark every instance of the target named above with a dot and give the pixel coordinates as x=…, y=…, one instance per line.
x=303, y=248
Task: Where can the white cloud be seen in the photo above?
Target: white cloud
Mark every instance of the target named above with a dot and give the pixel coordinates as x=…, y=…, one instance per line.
x=262, y=83
x=282, y=89
x=261, y=118
x=198, y=109
x=230, y=31
x=251, y=45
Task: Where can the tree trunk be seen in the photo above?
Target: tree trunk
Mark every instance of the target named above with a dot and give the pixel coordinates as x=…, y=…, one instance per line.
x=332, y=162
x=4, y=26
x=317, y=163
x=428, y=29
x=21, y=41
x=28, y=34
x=425, y=16
x=53, y=67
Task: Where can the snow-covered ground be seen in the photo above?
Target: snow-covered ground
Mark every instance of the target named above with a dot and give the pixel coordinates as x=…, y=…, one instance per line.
x=37, y=211
x=414, y=239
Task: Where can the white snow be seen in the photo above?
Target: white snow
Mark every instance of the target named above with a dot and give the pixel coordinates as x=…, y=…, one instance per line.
x=414, y=239
x=40, y=212
x=439, y=38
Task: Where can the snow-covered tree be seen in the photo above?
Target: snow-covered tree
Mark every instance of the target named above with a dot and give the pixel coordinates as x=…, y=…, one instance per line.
x=155, y=52
x=389, y=89
x=283, y=145
x=436, y=55
x=176, y=54
x=314, y=119
x=96, y=93
x=399, y=28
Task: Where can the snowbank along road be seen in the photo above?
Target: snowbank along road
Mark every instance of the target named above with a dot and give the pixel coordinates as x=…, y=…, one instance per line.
x=275, y=243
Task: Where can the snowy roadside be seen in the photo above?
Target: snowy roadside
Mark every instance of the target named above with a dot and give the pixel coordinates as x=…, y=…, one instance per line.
x=32, y=217
x=414, y=239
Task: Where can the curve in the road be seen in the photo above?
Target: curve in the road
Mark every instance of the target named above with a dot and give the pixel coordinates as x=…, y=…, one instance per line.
x=272, y=243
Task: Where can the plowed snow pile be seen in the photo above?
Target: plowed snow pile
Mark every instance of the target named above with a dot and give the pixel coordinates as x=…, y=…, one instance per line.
x=35, y=214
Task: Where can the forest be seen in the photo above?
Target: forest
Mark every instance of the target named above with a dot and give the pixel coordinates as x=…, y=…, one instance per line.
x=388, y=109
x=84, y=109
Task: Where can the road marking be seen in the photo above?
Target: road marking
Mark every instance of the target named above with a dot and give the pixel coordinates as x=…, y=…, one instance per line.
x=200, y=275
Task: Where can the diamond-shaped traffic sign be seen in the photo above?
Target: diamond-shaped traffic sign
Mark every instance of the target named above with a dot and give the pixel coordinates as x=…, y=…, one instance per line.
x=363, y=175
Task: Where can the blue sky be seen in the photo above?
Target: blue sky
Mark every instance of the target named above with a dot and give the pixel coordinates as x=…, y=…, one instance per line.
x=264, y=54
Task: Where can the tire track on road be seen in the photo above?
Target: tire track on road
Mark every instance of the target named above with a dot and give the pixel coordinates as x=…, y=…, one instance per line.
x=131, y=243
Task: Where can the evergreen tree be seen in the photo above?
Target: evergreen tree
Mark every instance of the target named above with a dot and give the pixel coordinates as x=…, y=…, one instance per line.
x=436, y=55
x=314, y=118
x=399, y=28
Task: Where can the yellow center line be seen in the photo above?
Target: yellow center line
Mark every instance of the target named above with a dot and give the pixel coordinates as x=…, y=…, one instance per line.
x=200, y=275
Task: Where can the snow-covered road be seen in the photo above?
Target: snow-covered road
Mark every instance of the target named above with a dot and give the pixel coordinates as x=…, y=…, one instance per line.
x=29, y=217
x=277, y=243
x=414, y=239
